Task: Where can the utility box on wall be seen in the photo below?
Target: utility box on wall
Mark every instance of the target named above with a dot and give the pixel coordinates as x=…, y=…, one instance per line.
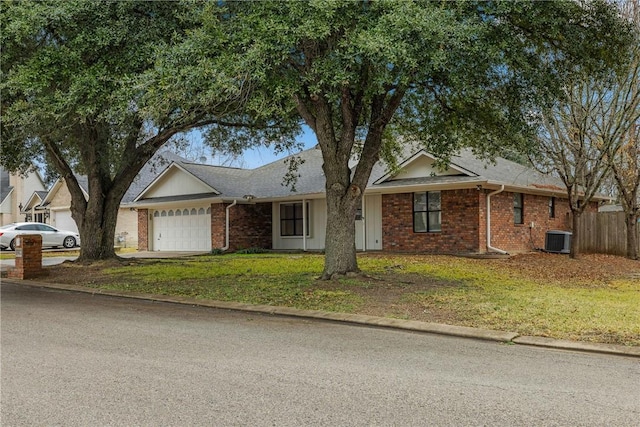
x=28, y=257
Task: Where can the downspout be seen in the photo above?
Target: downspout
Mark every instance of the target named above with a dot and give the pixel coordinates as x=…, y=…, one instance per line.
x=304, y=225
x=226, y=225
x=489, y=247
x=364, y=225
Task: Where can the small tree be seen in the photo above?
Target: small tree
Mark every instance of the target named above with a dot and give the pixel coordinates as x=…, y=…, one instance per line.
x=626, y=171
x=569, y=147
x=625, y=163
x=589, y=136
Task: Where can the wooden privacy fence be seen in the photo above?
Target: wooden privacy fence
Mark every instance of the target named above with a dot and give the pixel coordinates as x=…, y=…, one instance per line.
x=603, y=232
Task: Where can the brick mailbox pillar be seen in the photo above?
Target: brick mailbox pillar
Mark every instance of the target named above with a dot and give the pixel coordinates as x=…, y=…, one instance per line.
x=28, y=257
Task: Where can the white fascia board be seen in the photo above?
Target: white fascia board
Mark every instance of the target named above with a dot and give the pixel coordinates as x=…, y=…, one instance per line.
x=424, y=187
x=7, y=196
x=35, y=195
x=151, y=204
x=53, y=190
x=423, y=153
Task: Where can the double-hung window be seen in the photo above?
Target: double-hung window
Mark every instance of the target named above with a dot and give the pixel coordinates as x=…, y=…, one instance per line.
x=291, y=223
x=518, y=208
x=427, y=212
x=552, y=207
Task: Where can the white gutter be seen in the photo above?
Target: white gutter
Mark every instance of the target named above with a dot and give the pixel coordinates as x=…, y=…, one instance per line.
x=226, y=246
x=489, y=247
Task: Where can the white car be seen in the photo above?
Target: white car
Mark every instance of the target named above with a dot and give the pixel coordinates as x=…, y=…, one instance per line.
x=51, y=237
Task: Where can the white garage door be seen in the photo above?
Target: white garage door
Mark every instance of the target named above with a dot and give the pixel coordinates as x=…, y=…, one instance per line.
x=62, y=220
x=182, y=229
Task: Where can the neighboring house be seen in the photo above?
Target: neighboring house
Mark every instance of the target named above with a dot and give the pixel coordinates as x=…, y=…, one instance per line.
x=471, y=207
x=15, y=193
x=55, y=205
x=34, y=210
x=609, y=207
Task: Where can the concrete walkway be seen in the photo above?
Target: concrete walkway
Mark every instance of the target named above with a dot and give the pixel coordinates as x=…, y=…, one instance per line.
x=372, y=321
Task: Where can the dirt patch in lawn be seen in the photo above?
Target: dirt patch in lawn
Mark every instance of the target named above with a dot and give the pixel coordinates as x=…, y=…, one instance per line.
x=385, y=295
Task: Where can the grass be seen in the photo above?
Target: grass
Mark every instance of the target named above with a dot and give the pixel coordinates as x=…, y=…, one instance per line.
x=515, y=295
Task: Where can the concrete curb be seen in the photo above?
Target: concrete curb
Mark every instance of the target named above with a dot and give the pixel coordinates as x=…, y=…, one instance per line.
x=410, y=325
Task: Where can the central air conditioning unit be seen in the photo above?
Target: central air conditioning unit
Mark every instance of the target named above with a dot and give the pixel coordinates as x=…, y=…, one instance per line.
x=557, y=242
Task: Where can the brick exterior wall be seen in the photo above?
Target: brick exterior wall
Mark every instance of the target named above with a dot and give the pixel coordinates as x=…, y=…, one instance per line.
x=218, y=225
x=143, y=229
x=249, y=226
x=511, y=237
x=460, y=227
x=464, y=223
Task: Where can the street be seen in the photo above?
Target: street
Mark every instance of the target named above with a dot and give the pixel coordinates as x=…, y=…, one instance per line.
x=77, y=359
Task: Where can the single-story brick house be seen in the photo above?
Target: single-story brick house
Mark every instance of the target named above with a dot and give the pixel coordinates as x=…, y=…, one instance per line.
x=473, y=206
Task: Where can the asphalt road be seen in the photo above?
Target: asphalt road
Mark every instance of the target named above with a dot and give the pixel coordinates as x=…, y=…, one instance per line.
x=80, y=360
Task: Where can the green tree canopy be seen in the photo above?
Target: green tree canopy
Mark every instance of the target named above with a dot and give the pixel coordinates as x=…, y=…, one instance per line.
x=365, y=75
x=85, y=90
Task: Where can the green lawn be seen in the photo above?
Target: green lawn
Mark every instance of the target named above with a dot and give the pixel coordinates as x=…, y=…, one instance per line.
x=517, y=296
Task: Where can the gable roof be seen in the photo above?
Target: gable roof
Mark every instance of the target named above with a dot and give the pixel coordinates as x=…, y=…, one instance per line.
x=465, y=170
x=83, y=182
x=149, y=172
x=473, y=170
x=35, y=201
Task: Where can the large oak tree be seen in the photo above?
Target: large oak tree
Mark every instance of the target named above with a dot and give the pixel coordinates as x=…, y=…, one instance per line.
x=361, y=74
x=88, y=87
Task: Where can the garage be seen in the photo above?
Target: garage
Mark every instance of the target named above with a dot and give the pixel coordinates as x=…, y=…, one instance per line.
x=61, y=219
x=182, y=229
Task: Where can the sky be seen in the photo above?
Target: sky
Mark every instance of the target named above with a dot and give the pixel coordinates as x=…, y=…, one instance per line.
x=250, y=159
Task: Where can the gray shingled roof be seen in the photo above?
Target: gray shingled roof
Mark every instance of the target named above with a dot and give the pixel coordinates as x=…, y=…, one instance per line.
x=5, y=188
x=506, y=172
x=267, y=181
x=230, y=182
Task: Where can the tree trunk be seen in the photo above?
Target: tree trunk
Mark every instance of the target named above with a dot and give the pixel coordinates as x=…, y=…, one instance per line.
x=632, y=232
x=340, y=238
x=575, y=234
x=97, y=228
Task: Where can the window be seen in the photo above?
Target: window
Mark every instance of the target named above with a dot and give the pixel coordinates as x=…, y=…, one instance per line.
x=291, y=219
x=427, y=212
x=518, y=213
x=552, y=207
